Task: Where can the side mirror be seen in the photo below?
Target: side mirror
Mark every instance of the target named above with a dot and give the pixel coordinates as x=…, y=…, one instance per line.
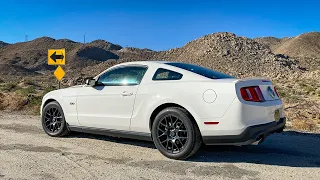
x=90, y=82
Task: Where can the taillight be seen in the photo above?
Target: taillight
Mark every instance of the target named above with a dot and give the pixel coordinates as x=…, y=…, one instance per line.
x=275, y=90
x=252, y=93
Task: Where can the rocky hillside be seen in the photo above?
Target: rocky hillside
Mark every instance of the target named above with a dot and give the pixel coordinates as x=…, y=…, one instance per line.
x=232, y=54
x=271, y=42
x=14, y=70
x=32, y=55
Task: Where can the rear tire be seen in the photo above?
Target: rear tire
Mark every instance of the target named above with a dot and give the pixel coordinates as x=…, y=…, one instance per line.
x=53, y=120
x=175, y=134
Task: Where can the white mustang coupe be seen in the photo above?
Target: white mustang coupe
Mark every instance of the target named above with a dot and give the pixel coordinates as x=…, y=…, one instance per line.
x=178, y=106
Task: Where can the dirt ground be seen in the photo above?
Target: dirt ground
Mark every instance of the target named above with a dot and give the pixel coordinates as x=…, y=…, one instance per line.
x=26, y=152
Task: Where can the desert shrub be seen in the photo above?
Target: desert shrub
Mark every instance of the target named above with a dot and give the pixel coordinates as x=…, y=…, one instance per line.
x=309, y=89
x=34, y=100
x=8, y=87
x=302, y=84
x=283, y=92
x=29, y=82
x=26, y=91
x=2, y=105
x=48, y=89
x=317, y=92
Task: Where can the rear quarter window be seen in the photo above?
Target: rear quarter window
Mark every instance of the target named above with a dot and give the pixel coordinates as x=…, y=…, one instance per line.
x=166, y=74
x=209, y=73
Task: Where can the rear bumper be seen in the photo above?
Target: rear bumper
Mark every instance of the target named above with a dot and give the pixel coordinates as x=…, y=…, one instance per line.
x=248, y=136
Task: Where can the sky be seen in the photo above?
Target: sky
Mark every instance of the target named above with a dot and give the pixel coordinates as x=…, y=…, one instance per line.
x=154, y=24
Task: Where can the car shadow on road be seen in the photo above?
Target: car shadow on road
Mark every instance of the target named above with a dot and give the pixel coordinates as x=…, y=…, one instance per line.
x=289, y=148
x=133, y=142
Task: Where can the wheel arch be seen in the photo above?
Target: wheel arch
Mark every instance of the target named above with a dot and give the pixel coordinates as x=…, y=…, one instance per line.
x=166, y=105
x=65, y=129
x=47, y=101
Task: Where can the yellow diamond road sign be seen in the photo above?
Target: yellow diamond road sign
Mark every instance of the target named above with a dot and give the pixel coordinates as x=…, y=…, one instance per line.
x=56, y=57
x=59, y=73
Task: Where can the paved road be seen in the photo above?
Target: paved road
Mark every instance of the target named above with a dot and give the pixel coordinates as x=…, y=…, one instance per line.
x=27, y=153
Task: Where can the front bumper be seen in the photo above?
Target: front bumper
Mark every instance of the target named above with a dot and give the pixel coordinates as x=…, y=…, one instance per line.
x=250, y=135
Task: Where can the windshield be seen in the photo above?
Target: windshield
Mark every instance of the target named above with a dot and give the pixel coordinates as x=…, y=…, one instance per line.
x=201, y=70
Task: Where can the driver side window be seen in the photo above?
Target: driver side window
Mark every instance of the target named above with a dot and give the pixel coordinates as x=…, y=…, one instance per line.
x=123, y=76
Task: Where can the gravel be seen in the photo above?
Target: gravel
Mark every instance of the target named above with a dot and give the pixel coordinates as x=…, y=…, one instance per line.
x=26, y=152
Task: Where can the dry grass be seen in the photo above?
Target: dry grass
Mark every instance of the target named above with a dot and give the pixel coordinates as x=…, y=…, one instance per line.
x=24, y=94
x=12, y=101
x=305, y=125
x=302, y=101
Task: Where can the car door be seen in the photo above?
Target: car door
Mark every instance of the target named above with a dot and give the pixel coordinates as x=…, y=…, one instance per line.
x=109, y=104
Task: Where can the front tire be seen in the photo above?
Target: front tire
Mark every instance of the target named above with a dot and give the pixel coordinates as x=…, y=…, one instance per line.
x=175, y=134
x=53, y=120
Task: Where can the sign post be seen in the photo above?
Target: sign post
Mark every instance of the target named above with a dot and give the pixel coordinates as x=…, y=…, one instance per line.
x=57, y=57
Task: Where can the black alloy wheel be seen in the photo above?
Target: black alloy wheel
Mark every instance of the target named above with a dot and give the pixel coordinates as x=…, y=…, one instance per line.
x=53, y=121
x=172, y=134
x=175, y=134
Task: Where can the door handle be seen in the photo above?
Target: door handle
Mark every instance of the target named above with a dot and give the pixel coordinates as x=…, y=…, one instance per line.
x=126, y=93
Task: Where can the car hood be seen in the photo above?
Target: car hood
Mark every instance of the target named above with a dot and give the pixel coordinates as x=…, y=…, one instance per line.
x=69, y=91
x=76, y=86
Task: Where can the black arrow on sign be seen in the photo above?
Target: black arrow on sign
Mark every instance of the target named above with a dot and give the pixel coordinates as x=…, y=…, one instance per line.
x=54, y=56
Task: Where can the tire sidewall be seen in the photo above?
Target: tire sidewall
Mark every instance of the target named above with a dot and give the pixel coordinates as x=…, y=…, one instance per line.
x=189, y=127
x=63, y=125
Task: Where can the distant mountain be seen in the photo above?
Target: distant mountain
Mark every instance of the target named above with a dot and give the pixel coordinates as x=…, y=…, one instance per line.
x=232, y=54
x=2, y=44
x=105, y=45
x=304, y=45
x=270, y=42
x=32, y=55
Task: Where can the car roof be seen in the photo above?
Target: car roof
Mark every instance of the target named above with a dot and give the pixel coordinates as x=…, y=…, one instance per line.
x=158, y=64
x=150, y=63
x=145, y=62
